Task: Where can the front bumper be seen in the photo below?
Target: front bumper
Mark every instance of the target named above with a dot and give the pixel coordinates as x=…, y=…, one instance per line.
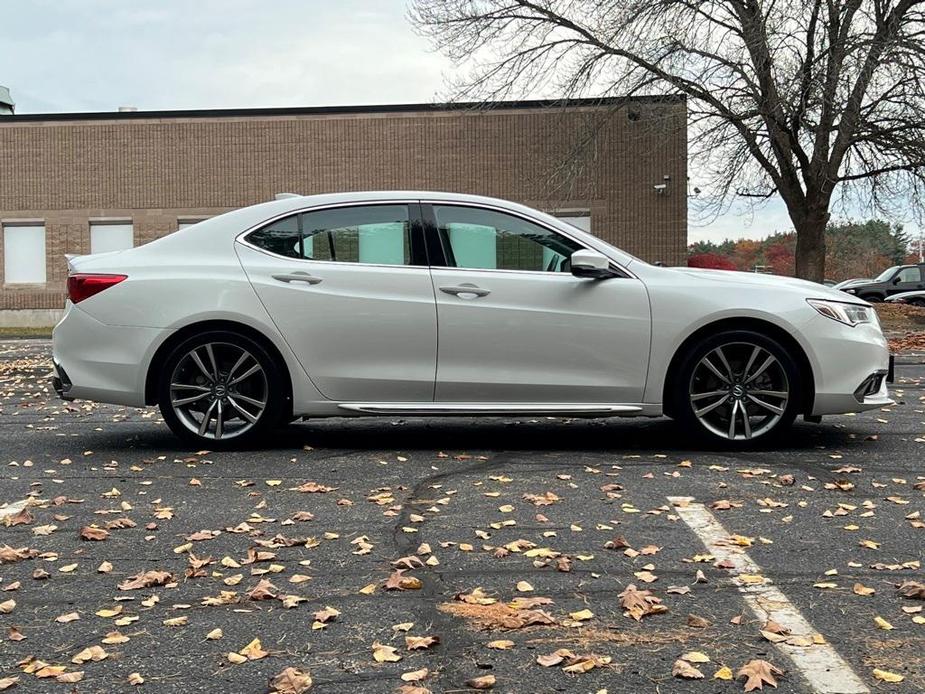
x=851, y=366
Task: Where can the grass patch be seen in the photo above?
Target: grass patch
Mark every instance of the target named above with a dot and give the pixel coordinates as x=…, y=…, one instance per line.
x=13, y=333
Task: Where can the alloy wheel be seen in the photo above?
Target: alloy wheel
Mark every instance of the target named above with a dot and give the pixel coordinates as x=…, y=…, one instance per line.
x=218, y=390
x=739, y=390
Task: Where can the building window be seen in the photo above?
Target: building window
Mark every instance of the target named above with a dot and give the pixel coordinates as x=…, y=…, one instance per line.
x=577, y=218
x=24, y=254
x=184, y=222
x=111, y=237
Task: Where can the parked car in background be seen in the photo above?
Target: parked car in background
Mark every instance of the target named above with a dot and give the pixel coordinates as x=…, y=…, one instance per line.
x=416, y=304
x=916, y=298
x=847, y=283
x=893, y=280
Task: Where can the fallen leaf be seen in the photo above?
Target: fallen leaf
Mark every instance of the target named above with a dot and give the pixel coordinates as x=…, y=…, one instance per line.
x=483, y=682
x=385, y=654
x=758, y=673
x=685, y=670
x=291, y=681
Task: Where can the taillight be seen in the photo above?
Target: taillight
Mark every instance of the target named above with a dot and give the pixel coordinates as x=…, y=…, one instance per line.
x=80, y=287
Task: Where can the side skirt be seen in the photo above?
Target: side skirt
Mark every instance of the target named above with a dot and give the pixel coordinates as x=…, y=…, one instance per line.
x=518, y=408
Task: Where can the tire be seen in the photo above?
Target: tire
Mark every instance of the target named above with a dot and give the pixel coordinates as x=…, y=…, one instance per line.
x=229, y=377
x=757, y=407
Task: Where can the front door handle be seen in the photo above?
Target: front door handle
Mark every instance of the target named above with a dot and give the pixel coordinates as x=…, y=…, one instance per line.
x=466, y=291
x=297, y=277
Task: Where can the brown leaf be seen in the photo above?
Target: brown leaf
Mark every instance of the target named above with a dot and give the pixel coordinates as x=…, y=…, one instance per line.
x=91, y=533
x=397, y=581
x=15, y=634
x=697, y=622
x=264, y=590
x=70, y=677
x=415, y=643
x=483, y=682
x=639, y=603
x=314, y=488
x=685, y=670
x=913, y=589
x=94, y=653
x=10, y=555
x=24, y=517
x=385, y=654
x=7, y=682
x=758, y=674
x=254, y=651
x=326, y=615
x=146, y=579
x=291, y=681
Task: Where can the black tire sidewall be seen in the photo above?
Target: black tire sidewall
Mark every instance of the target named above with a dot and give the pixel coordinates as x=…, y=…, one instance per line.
x=276, y=392
x=681, y=405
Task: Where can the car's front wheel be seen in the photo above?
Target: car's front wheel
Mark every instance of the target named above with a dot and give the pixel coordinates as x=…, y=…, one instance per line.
x=737, y=387
x=221, y=389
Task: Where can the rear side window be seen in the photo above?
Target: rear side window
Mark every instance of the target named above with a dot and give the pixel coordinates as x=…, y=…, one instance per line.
x=909, y=274
x=373, y=234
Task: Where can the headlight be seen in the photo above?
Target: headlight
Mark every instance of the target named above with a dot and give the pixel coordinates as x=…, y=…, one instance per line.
x=849, y=314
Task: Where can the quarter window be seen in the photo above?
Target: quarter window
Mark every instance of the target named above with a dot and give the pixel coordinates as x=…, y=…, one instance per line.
x=374, y=234
x=488, y=240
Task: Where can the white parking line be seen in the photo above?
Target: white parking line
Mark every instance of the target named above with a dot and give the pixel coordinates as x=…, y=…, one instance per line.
x=824, y=670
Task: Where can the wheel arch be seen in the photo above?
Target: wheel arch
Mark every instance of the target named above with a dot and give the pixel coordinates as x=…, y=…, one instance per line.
x=807, y=380
x=164, y=350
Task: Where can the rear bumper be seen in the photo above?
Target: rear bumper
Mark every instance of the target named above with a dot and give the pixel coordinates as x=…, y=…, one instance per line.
x=104, y=363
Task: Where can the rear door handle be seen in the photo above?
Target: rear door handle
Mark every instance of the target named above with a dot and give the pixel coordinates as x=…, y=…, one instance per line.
x=463, y=290
x=297, y=277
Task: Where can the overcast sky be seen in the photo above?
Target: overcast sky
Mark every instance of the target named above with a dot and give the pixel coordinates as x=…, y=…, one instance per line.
x=97, y=55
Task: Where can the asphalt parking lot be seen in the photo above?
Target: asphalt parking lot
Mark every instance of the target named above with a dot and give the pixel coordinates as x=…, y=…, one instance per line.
x=511, y=542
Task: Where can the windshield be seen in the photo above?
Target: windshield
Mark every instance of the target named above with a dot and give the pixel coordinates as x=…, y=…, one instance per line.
x=886, y=274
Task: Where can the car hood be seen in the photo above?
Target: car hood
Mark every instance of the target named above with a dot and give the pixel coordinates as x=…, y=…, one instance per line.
x=805, y=287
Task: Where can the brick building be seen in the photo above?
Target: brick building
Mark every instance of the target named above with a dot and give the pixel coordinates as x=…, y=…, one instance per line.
x=90, y=182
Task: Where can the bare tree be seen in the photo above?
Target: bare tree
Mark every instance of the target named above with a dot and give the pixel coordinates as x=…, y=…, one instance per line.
x=819, y=101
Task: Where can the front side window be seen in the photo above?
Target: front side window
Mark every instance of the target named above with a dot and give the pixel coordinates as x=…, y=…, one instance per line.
x=487, y=240
x=909, y=274
x=374, y=234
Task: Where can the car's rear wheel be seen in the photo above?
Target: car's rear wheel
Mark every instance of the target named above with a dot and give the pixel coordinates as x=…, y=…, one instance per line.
x=737, y=387
x=221, y=389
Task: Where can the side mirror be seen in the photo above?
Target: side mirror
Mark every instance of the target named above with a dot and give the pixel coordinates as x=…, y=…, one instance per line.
x=591, y=264
x=896, y=279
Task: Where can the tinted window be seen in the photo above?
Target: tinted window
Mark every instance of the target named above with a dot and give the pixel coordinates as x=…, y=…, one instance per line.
x=376, y=234
x=909, y=274
x=485, y=239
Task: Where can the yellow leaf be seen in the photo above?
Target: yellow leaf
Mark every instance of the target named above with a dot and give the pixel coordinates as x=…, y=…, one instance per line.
x=887, y=676
x=696, y=657
x=724, y=673
x=581, y=615
x=524, y=587
x=107, y=614
x=501, y=644
x=751, y=579
x=883, y=624
x=385, y=654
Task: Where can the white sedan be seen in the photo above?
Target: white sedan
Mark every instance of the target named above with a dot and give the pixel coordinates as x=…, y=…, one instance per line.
x=414, y=303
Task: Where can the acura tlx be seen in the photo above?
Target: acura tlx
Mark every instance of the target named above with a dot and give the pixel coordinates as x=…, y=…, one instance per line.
x=418, y=303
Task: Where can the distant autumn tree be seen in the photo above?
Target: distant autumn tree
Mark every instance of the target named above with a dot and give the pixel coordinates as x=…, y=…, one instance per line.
x=806, y=99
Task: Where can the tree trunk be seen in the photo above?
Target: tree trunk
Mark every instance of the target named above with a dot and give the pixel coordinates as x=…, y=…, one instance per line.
x=810, y=252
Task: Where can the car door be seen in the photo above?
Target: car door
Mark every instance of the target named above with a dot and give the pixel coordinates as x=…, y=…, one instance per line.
x=350, y=291
x=515, y=326
x=908, y=279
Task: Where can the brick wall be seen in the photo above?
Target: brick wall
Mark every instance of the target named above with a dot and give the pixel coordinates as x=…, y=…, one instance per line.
x=154, y=169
